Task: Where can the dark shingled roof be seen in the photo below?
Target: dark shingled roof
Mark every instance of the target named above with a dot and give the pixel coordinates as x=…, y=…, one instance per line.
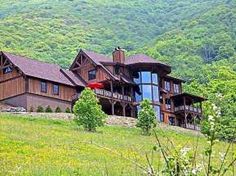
x=37, y=69
x=74, y=78
x=142, y=58
x=97, y=58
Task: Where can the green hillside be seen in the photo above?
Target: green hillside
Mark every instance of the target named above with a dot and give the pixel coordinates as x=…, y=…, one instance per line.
x=34, y=146
x=53, y=30
x=203, y=52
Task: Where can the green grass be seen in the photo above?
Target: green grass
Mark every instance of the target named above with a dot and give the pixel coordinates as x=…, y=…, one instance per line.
x=36, y=146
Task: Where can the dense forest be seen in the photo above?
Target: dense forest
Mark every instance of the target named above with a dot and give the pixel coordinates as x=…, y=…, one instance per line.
x=197, y=37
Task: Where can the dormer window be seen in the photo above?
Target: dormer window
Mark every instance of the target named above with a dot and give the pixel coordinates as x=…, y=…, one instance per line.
x=7, y=70
x=92, y=74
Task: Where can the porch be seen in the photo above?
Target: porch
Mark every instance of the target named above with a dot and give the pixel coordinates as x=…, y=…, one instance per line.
x=188, y=110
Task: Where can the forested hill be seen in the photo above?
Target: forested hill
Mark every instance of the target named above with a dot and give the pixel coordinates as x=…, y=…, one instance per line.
x=203, y=52
x=53, y=30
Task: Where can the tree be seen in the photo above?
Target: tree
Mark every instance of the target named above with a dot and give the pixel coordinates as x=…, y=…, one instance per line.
x=146, y=117
x=88, y=113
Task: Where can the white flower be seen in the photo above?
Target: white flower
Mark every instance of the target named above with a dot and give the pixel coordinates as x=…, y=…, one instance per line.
x=184, y=151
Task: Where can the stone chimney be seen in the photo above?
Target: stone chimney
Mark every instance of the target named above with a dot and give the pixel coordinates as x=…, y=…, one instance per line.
x=118, y=55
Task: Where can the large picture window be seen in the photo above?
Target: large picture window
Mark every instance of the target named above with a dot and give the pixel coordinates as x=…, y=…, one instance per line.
x=43, y=86
x=148, y=86
x=147, y=92
x=92, y=74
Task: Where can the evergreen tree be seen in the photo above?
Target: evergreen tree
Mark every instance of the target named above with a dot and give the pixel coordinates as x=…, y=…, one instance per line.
x=146, y=117
x=88, y=113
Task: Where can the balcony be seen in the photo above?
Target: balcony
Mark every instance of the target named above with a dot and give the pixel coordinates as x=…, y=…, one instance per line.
x=188, y=108
x=108, y=94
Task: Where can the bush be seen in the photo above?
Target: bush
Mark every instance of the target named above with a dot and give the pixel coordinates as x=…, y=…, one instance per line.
x=146, y=117
x=58, y=110
x=67, y=110
x=48, y=109
x=88, y=112
x=40, y=109
x=31, y=109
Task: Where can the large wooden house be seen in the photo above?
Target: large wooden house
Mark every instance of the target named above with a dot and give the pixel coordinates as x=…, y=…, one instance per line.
x=126, y=82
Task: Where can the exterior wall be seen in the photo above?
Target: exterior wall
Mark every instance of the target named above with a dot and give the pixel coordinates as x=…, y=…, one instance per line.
x=168, y=112
x=33, y=101
x=12, y=87
x=20, y=100
x=8, y=76
x=65, y=92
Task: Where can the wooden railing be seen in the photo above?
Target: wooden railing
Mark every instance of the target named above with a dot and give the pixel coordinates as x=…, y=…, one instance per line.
x=115, y=95
x=191, y=126
x=188, y=108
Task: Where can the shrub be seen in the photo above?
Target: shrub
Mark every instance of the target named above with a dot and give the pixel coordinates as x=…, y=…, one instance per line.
x=67, y=110
x=31, y=109
x=48, y=109
x=40, y=109
x=58, y=110
x=88, y=112
x=146, y=117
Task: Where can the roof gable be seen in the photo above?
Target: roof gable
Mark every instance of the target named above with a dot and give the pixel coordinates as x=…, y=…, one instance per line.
x=38, y=69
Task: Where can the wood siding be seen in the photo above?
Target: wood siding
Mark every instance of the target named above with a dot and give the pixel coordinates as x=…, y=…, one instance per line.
x=8, y=76
x=12, y=88
x=65, y=92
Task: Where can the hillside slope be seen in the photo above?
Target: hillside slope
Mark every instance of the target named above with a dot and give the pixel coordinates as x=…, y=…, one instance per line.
x=203, y=52
x=53, y=30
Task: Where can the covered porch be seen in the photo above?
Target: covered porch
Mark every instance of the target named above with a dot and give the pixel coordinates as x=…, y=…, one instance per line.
x=188, y=110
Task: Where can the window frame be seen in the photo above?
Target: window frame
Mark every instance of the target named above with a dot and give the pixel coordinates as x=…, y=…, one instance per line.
x=94, y=75
x=176, y=87
x=53, y=89
x=7, y=70
x=42, y=88
x=167, y=88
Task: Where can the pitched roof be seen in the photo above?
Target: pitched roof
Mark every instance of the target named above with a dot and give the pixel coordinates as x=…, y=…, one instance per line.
x=74, y=78
x=97, y=58
x=141, y=59
x=38, y=69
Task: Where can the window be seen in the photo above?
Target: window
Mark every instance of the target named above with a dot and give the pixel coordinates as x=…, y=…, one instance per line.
x=154, y=78
x=162, y=117
x=155, y=92
x=176, y=88
x=171, y=120
x=167, y=85
x=168, y=104
x=55, y=89
x=146, y=77
x=43, y=87
x=137, y=77
x=158, y=112
x=7, y=70
x=147, y=92
x=92, y=74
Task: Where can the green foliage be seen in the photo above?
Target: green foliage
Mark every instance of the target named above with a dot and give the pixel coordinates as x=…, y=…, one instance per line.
x=40, y=109
x=31, y=109
x=67, y=110
x=146, y=117
x=88, y=112
x=48, y=109
x=58, y=110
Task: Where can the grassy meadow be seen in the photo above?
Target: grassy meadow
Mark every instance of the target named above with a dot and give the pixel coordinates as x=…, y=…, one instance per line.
x=38, y=146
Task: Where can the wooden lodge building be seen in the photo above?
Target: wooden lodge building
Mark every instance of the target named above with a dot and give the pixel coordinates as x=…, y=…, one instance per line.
x=126, y=82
